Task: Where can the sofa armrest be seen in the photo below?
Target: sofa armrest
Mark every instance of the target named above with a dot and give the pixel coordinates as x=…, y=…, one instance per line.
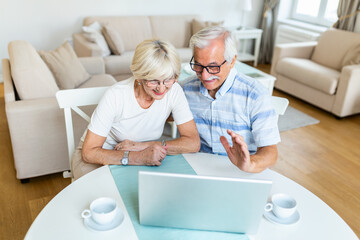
x=37, y=131
x=347, y=100
x=9, y=91
x=84, y=48
x=31, y=106
x=38, y=136
x=296, y=50
x=93, y=65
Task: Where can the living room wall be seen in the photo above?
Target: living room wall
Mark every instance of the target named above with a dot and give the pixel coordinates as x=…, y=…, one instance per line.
x=48, y=23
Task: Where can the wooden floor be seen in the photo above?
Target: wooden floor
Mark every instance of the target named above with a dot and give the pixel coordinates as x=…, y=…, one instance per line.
x=324, y=158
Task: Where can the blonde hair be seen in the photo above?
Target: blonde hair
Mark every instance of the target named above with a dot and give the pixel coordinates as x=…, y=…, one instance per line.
x=155, y=59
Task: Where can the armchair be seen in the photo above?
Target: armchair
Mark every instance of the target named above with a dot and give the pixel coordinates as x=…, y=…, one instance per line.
x=324, y=73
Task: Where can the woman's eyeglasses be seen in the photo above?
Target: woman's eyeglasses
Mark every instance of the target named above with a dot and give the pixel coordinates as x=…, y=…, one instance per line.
x=155, y=83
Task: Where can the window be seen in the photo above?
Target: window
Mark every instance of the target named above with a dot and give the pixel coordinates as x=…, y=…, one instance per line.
x=321, y=12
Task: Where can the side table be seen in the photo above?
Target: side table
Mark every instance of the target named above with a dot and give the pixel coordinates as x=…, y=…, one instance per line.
x=244, y=34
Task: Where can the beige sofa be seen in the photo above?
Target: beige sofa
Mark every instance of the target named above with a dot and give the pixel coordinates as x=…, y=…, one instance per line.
x=36, y=122
x=324, y=73
x=128, y=31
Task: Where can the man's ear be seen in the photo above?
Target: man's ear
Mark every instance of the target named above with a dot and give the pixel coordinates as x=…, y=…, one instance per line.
x=233, y=61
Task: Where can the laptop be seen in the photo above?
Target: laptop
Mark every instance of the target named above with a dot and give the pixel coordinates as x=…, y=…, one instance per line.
x=202, y=202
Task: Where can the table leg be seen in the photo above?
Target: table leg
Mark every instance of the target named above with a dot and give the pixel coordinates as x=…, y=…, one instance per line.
x=257, y=48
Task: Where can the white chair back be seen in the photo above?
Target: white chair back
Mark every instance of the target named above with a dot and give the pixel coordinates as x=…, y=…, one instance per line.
x=73, y=99
x=280, y=104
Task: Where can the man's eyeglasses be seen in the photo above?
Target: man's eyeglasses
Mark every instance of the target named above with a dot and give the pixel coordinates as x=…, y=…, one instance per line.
x=210, y=69
x=155, y=83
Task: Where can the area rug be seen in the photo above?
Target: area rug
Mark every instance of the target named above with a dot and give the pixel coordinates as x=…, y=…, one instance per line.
x=293, y=118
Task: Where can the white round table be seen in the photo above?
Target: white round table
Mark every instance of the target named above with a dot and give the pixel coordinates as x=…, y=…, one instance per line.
x=60, y=219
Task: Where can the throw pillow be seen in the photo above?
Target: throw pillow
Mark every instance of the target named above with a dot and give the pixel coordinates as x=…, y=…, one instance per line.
x=114, y=39
x=93, y=34
x=197, y=25
x=68, y=71
x=31, y=76
x=352, y=56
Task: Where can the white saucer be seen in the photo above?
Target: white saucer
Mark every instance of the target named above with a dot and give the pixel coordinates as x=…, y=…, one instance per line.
x=284, y=221
x=92, y=225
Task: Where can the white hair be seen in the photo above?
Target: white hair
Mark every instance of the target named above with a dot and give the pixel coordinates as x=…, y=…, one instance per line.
x=204, y=37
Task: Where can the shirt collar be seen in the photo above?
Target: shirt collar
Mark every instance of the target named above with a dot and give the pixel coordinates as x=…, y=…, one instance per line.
x=224, y=88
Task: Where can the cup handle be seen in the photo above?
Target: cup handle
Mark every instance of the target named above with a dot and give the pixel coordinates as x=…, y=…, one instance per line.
x=268, y=207
x=86, y=213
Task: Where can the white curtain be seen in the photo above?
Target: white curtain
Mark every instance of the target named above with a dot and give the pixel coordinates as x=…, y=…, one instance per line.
x=347, y=12
x=267, y=25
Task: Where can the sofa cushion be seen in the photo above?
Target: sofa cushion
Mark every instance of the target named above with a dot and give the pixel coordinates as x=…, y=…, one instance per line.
x=352, y=56
x=197, y=25
x=185, y=54
x=65, y=66
x=116, y=65
x=309, y=73
x=175, y=29
x=93, y=65
x=122, y=77
x=31, y=76
x=332, y=47
x=114, y=39
x=132, y=29
x=99, y=80
x=93, y=33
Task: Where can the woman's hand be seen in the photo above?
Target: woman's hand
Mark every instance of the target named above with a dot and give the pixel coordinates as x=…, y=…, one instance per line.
x=150, y=156
x=128, y=145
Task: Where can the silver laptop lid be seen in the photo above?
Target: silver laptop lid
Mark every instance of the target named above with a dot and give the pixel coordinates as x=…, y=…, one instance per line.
x=202, y=202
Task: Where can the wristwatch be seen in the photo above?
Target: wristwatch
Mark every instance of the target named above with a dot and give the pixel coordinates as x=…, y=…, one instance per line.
x=125, y=159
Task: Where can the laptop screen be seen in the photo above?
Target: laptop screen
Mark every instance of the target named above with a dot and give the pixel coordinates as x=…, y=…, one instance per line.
x=202, y=202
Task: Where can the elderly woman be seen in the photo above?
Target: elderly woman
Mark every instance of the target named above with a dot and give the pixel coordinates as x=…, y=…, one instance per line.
x=132, y=113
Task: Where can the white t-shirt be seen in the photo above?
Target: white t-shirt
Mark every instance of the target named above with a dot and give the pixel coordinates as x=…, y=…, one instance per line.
x=119, y=116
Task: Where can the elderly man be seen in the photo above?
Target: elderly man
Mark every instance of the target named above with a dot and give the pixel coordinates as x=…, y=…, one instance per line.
x=229, y=106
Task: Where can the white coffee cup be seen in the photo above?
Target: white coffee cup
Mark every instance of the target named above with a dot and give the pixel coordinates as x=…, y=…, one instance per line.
x=282, y=205
x=102, y=210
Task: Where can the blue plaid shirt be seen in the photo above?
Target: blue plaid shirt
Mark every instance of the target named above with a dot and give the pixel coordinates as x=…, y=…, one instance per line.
x=242, y=104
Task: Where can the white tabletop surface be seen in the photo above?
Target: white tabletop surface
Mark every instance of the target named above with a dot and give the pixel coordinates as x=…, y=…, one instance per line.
x=60, y=219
